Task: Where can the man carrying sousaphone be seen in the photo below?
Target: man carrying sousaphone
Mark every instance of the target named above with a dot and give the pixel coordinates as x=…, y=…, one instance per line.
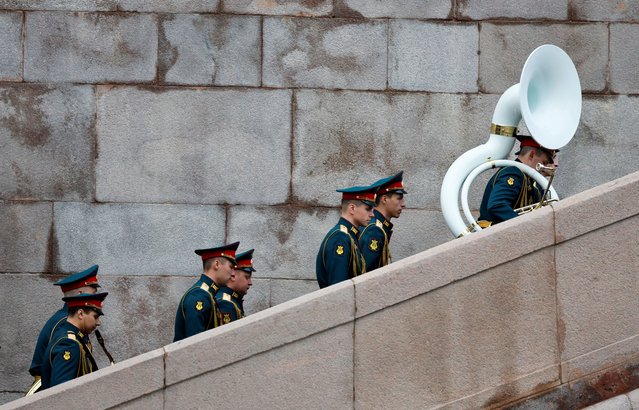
x=511, y=189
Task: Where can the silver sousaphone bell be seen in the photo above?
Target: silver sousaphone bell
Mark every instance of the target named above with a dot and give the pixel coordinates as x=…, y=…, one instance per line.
x=548, y=97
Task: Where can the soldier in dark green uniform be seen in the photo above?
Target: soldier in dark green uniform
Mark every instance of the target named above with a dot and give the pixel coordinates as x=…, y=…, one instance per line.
x=510, y=188
x=339, y=258
x=375, y=237
x=230, y=297
x=81, y=282
x=198, y=310
x=67, y=356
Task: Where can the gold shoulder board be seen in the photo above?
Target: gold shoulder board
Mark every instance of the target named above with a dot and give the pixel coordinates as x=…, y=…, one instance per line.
x=379, y=224
x=71, y=336
x=226, y=296
x=204, y=286
x=343, y=228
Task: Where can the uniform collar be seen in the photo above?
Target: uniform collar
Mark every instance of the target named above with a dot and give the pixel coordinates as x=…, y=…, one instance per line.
x=231, y=292
x=388, y=225
x=209, y=282
x=352, y=229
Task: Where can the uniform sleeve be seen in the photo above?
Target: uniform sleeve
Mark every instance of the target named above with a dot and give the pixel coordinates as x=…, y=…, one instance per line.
x=337, y=254
x=504, y=194
x=371, y=244
x=43, y=341
x=228, y=311
x=66, y=360
x=197, y=312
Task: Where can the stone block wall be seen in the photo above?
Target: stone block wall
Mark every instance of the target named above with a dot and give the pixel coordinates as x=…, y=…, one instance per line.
x=132, y=132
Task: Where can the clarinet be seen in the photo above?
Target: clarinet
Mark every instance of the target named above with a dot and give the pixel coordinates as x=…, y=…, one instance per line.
x=101, y=341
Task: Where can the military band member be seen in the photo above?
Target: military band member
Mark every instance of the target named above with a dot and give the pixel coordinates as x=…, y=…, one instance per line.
x=510, y=188
x=339, y=258
x=198, y=310
x=67, y=356
x=77, y=283
x=230, y=297
x=375, y=237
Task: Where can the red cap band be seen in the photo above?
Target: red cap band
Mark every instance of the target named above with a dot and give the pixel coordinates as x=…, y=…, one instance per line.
x=361, y=196
x=90, y=281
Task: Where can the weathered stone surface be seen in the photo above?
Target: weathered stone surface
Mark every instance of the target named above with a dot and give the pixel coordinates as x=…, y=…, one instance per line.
x=616, y=403
x=505, y=48
x=623, y=56
x=422, y=134
x=258, y=297
x=438, y=57
x=604, y=385
x=594, y=326
x=170, y=6
x=268, y=374
x=416, y=231
x=136, y=239
x=432, y=269
x=90, y=47
x=413, y=9
x=108, y=386
x=207, y=49
x=595, y=10
x=11, y=51
x=634, y=398
x=459, y=340
x=27, y=243
x=6, y=397
x=154, y=400
x=47, y=142
x=610, y=202
x=599, y=151
x=181, y=145
x=286, y=239
x=520, y=9
x=153, y=298
x=289, y=7
x=283, y=290
x=326, y=53
x=278, y=326
x=63, y=5
x=17, y=341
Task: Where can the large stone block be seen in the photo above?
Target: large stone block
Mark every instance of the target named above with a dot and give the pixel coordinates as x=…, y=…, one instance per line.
x=438, y=57
x=412, y=9
x=6, y=397
x=286, y=239
x=258, y=297
x=90, y=47
x=599, y=151
x=320, y=367
x=29, y=301
x=623, y=79
x=11, y=51
x=108, y=387
x=27, y=238
x=354, y=138
x=505, y=48
x=48, y=142
x=170, y=6
x=597, y=330
x=60, y=5
x=486, y=331
x=182, y=145
x=288, y=7
x=616, y=403
x=283, y=290
x=136, y=239
x=325, y=53
x=139, y=314
x=280, y=325
x=596, y=10
x=519, y=9
x=417, y=230
x=210, y=50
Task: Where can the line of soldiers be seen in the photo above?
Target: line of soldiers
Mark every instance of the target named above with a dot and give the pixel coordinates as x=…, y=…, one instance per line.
x=64, y=351
x=358, y=243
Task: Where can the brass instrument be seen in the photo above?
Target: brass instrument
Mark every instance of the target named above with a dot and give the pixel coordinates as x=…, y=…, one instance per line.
x=37, y=383
x=545, y=201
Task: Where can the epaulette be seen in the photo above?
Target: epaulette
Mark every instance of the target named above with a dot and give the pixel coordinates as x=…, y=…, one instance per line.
x=204, y=286
x=343, y=228
x=379, y=224
x=71, y=335
x=226, y=297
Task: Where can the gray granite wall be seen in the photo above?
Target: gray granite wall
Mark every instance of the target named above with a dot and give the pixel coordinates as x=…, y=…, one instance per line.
x=132, y=132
